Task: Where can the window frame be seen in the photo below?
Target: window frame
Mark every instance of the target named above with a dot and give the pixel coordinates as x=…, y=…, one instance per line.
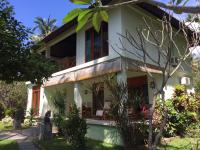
x=92, y=44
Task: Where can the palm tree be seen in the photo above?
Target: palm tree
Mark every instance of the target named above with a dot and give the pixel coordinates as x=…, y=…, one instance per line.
x=45, y=27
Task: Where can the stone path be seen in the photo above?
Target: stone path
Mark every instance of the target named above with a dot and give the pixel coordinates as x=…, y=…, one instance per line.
x=23, y=137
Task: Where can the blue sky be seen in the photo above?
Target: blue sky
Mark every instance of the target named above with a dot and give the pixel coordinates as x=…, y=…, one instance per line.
x=27, y=10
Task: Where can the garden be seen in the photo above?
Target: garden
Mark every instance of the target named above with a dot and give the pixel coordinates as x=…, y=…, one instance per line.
x=182, y=130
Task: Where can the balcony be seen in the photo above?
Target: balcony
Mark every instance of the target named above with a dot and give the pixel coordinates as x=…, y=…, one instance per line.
x=64, y=52
x=66, y=63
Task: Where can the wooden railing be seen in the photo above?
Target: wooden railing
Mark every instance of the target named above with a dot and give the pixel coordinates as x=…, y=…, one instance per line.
x=66, y=62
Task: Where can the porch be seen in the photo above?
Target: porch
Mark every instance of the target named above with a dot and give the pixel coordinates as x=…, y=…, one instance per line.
x=94, y=100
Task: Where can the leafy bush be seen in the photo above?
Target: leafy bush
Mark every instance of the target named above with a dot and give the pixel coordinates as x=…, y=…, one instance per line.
x=75, y=129
x=58, y=101
x=58, y=121
x=193, y=130
x=182, y=111
x=7, y=121
x=9, y=112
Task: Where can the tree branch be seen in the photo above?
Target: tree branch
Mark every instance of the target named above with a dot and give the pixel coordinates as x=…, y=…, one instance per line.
x=179, y=8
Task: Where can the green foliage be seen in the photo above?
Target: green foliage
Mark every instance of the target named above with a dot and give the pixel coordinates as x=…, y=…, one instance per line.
x=13, y=96
x=182, y=111
x=193, y=130
x=61, y=144
x=178, y=2
x=122, y=100
x=38, y=67
x=83, y=16
x=7, y=122
x=8, y=145
x=30, y=116
x=96, y=21
x=72, y=15
x=81, y=2
x=9, y=112
x=82, y=22
x=75, y=129
x=44, y=26
x=58, y=121
x=17, y=57
x=58, y=101
x=197, y=87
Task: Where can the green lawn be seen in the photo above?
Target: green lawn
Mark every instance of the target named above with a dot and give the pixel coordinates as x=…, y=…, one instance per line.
x=61, y=144
x=182, y=144
x=176, y=144
x=8, y=145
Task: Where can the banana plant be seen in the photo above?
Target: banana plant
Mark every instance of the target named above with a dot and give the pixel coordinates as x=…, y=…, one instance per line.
x=93, y=13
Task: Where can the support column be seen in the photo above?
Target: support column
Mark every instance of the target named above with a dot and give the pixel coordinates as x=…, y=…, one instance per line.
x=41, y=105
x=47, y=54
x=122, y=77
x=77, y=97
x=29, y=100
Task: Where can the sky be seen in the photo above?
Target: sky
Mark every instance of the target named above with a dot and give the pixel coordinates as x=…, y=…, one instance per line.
x=27, y=10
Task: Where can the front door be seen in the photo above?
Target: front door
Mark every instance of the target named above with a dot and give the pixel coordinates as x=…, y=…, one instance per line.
x=36, y=100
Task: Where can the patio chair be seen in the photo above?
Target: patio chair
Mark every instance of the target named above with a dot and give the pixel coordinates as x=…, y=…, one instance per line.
x=99, y=114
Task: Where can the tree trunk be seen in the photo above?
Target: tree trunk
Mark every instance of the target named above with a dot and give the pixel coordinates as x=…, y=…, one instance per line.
x=16, y=124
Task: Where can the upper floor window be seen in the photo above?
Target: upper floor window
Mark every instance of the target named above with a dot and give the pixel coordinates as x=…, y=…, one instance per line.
x=96, y=44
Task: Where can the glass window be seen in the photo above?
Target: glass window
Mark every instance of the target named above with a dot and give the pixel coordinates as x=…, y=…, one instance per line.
x=96, y=44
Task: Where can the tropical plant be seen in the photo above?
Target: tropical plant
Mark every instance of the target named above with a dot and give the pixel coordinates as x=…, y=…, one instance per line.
x=75, y=129
x=58, y=101
x=182, y=111
x=44, y=26
x=132, y=133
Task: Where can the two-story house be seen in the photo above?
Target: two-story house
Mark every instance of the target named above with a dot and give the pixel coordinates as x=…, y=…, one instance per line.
x=84, y=57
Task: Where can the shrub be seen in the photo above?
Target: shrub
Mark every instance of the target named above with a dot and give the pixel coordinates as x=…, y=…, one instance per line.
x=193, y=130
x=58, y=121
x=75, y=129
x=7, y=121
x=9, y=112
x=182, y=111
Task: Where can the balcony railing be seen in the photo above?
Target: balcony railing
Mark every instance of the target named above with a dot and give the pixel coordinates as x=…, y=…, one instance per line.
x=65, y=63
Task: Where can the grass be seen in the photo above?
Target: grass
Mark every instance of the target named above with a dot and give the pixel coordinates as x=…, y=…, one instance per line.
x=182, y=144
x=175, y=144
x=60, y=144
x=8, y=145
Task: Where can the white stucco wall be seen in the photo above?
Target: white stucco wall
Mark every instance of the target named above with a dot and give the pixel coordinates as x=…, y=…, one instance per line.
x=120, y=20
x=29, y=100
